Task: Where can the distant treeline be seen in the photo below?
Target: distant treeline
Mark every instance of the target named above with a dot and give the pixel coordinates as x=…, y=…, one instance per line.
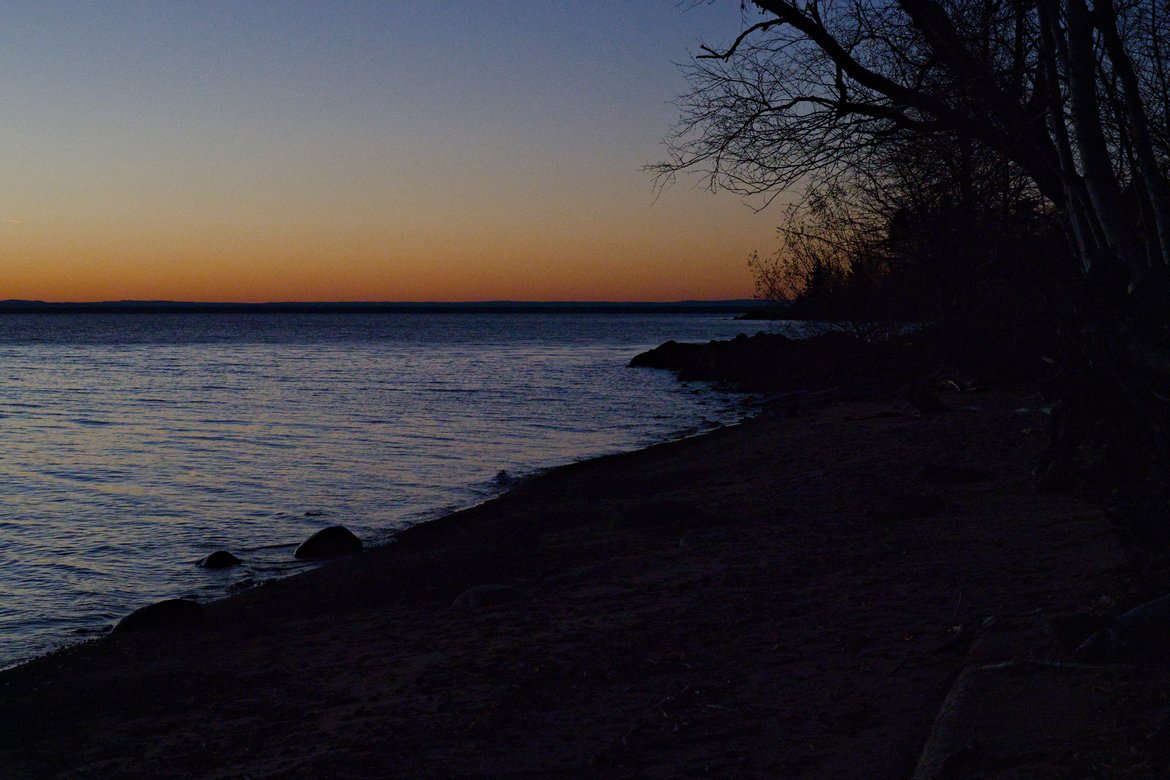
x=485, y=307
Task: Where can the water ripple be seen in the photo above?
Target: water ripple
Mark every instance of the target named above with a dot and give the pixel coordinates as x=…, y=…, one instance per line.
x=136, y=445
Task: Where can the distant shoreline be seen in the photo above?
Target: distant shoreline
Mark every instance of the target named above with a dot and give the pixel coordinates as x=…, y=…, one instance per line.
x=485, y=307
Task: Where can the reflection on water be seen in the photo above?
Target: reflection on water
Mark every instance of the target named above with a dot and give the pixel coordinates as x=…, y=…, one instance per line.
x=136, y=444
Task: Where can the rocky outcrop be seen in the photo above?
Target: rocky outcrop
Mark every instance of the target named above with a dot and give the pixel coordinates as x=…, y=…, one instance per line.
x=742, y=360
x=332, y=542
x=168, y=615
x=771, y=362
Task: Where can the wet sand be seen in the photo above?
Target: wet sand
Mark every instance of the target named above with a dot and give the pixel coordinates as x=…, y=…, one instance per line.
x=798, y=596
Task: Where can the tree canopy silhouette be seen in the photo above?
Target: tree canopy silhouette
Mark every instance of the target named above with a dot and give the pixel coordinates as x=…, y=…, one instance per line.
x=1067, y=100
x=1076, y=97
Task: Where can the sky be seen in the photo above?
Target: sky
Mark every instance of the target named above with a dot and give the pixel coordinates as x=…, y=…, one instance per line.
x=358, y=151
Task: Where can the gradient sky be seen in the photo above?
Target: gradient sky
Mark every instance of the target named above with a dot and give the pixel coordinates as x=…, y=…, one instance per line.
x=260, y=151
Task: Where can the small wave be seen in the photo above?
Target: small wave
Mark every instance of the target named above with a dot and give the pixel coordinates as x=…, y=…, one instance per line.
x=321, y=431
x=274, y=445
x=75, y=476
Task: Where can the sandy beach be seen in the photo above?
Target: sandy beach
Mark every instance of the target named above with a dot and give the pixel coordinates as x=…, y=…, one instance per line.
x=857, y=590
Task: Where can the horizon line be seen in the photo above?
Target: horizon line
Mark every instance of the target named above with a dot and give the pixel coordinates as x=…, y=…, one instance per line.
x=15, y=305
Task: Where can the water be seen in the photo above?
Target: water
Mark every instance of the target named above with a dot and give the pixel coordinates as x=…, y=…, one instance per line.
x=133, y=445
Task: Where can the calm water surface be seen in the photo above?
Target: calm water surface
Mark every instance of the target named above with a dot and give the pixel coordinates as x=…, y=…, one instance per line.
x=133, y=445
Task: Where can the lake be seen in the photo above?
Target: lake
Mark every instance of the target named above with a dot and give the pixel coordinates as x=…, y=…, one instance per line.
x=135, y=444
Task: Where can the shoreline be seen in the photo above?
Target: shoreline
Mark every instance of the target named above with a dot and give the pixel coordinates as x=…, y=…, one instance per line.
x=236, y=508
x=98, y=632
x=713, y=603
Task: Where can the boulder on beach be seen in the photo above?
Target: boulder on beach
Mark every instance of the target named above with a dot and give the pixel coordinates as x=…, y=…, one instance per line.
x=483, y=596
x=165, y=615
x=332, y=542
x=220, y=559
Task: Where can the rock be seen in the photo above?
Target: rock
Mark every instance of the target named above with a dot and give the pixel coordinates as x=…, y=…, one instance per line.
x=769, y=361
x=505, y=481
x=482, y=596
x=220, y=559
x=332, y=542
x=669, y=355
x=166, y=615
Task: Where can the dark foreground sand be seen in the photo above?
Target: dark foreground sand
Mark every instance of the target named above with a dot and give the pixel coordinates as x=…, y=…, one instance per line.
x=773, y=600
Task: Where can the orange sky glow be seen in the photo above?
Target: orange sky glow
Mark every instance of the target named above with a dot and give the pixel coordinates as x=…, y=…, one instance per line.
x=236, y=152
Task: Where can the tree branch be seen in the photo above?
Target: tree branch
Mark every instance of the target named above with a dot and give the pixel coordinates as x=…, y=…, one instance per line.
x=714, y=55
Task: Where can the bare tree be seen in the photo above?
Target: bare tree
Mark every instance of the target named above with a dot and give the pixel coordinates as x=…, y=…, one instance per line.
x=1050, y=85
x=1074, y=95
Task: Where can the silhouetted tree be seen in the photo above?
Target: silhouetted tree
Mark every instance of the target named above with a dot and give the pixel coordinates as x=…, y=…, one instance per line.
x=924, y=234
x=1073, y=96
x=1049, y=85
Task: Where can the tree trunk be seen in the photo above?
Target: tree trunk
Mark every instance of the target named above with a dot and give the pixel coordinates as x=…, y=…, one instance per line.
x=1157, y=190
x=1085, y=116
